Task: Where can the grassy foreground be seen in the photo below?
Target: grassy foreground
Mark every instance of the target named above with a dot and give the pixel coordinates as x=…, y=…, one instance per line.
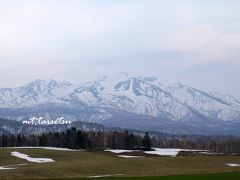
x=82, y=164
x=213, y=176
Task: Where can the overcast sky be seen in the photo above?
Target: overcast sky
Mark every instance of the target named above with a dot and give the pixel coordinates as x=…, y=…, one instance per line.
x=188, y=41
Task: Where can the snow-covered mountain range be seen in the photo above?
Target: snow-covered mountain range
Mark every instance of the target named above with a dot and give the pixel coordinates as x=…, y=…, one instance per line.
x=142, y=103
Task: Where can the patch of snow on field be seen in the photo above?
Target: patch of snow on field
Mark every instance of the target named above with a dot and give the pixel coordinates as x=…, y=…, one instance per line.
x=126, y=156
x=8, y=167
x=164, y=152
x=156, y=151
x=28, y=158
x=169, y=151
x=232, y=164
x=107, y=175
x=119, y=151
x=207, y=153
x=59, y=149
x=99, y=176
x=48, y=148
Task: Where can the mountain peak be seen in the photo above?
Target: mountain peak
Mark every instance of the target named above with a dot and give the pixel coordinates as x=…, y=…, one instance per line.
x=47, y=82
x=140, y=95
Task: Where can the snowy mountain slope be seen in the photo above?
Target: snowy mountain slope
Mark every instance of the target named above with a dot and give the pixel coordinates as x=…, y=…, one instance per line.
x=133, y=95
x=35, y=93
x=107, y=99
x=212, y=105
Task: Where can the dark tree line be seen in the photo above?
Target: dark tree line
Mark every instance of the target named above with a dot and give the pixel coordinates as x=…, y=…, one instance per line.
x=77, y=139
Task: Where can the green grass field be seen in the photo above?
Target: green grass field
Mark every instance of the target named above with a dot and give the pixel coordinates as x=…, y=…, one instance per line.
x=82, y=164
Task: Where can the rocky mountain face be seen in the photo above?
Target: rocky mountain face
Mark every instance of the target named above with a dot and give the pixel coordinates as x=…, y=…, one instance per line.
x=141, y=103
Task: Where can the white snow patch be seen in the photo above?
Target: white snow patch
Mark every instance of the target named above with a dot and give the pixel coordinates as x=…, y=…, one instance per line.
x=164, y=152
x=106, y=175
x=207, y=153
x=168, y=151
x=48, y=148
x=156, y=151
x=232, y=164
x=119, y=151
x=126, y=156
x=59, y=149
x=7, y=167
x=28, y=158
x=100, y=176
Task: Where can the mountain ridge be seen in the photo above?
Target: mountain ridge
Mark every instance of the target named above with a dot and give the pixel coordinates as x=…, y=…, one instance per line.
x=98, y=101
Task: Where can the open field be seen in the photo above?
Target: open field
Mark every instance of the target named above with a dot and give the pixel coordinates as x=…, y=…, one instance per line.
x=212, y=176
x=82, y=164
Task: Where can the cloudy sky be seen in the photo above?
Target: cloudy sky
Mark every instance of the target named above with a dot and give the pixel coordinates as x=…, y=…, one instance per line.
x=189, y=41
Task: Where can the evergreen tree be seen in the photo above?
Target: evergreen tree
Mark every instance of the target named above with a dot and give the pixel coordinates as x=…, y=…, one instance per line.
x=130, y=141
x=19, y=140
x=79, y=141
x=146, y=142
x=43, y=140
